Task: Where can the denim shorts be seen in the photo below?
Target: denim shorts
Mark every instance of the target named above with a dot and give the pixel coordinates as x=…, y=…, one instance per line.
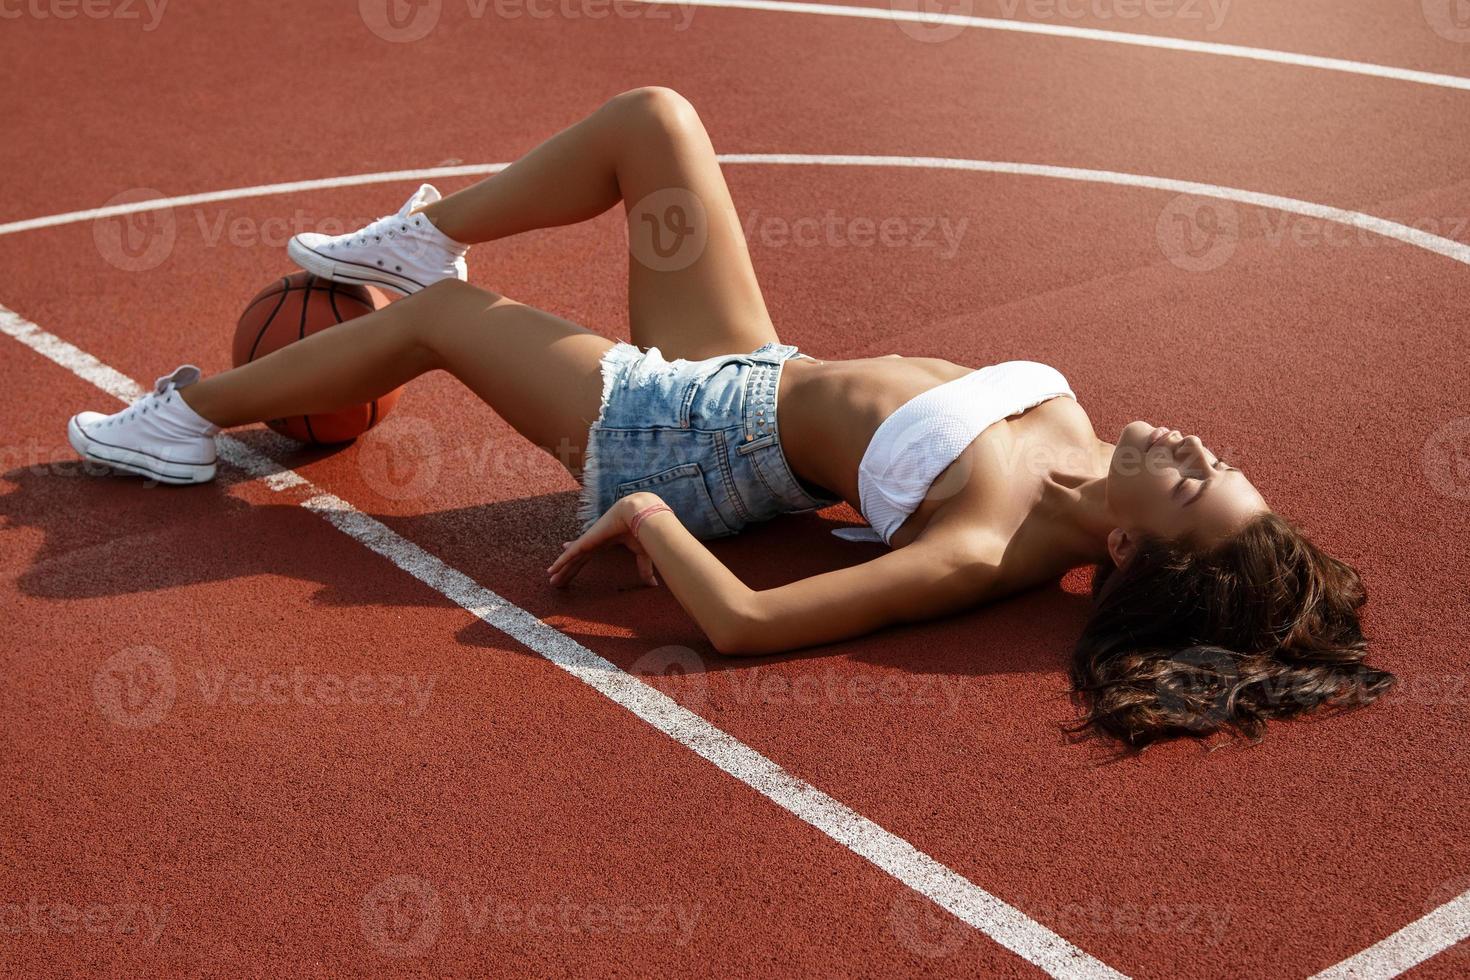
x=700, y=434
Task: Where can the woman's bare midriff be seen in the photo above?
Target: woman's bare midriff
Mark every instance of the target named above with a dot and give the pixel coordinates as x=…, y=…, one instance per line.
x=827, y=412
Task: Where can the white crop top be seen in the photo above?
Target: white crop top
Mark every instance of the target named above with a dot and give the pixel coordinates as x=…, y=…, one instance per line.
x=929, y=431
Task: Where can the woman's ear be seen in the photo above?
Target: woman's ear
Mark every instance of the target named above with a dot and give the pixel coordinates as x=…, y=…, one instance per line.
x=1121, y=546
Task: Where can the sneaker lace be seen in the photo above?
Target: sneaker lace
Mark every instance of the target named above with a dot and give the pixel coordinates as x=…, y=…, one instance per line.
x=388, y=225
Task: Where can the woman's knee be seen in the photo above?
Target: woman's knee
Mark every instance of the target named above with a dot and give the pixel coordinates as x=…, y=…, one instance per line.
x=654, y=106
x=440, y=312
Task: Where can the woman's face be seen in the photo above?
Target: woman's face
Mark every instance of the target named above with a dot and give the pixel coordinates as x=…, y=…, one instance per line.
x=1169, y=485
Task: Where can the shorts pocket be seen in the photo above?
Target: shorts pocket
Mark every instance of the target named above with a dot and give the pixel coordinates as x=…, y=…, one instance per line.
x=683, y=488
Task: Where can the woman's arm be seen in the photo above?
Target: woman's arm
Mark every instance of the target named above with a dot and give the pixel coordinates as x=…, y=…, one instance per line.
x=921, y=581
x=717, y=600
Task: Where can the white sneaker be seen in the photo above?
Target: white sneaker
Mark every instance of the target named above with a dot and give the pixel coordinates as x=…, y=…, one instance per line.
x=158, y=436
x=403, y=252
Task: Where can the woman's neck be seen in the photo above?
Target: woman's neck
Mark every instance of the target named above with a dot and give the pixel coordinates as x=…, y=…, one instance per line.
x=1075, y=500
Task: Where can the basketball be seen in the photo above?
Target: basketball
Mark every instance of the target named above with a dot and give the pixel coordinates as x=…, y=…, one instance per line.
x=297, y=306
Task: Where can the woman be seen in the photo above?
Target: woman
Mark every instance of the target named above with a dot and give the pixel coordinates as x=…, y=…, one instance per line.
x=1211, y=611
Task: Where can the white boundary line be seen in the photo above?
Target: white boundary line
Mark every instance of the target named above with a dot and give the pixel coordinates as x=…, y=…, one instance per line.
x=1447, y=247
x=1413, y=944
x=1086, y=34
x=948, y=889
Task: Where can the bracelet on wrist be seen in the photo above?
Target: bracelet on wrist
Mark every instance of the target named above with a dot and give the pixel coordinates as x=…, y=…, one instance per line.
x=644, y=514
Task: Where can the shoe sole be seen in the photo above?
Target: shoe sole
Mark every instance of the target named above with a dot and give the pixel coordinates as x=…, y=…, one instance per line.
x=327, y=268
x=140, y=464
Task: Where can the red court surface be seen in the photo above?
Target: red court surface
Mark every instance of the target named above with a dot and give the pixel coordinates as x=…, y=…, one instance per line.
x=241, y=741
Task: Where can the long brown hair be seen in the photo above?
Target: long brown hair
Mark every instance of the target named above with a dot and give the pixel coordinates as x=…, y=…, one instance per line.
x=1191, y=641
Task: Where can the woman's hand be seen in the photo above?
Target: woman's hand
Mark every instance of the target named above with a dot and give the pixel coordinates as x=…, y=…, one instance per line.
x=610, y=528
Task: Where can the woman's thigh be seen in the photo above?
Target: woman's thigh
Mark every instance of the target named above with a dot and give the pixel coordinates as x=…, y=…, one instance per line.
x=537, y=371
x=692, y=290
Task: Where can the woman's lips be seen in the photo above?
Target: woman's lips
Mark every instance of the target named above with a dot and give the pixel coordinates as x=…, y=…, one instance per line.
x=1158, y=433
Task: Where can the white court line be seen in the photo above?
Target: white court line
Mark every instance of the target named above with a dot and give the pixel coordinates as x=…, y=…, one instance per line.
x=1447, y=247
x=1086, y=34
x=948, y=889
x=1410, y=946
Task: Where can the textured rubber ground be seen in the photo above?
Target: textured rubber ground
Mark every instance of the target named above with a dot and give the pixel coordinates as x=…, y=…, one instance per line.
x=250, y=825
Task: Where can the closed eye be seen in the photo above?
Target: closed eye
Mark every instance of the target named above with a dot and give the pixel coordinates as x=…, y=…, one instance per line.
x=1218, y=465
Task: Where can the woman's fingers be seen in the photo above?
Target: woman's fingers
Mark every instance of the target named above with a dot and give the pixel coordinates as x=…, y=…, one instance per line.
x=645, y=569
x=567, y=570
x=608, y=528
x=571, y=552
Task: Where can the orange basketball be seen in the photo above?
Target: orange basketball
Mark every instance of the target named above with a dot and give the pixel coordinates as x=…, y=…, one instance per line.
x=297, y=306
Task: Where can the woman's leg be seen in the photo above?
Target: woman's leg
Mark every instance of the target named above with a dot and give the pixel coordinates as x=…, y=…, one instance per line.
x=537, y=371
x=691, y=288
